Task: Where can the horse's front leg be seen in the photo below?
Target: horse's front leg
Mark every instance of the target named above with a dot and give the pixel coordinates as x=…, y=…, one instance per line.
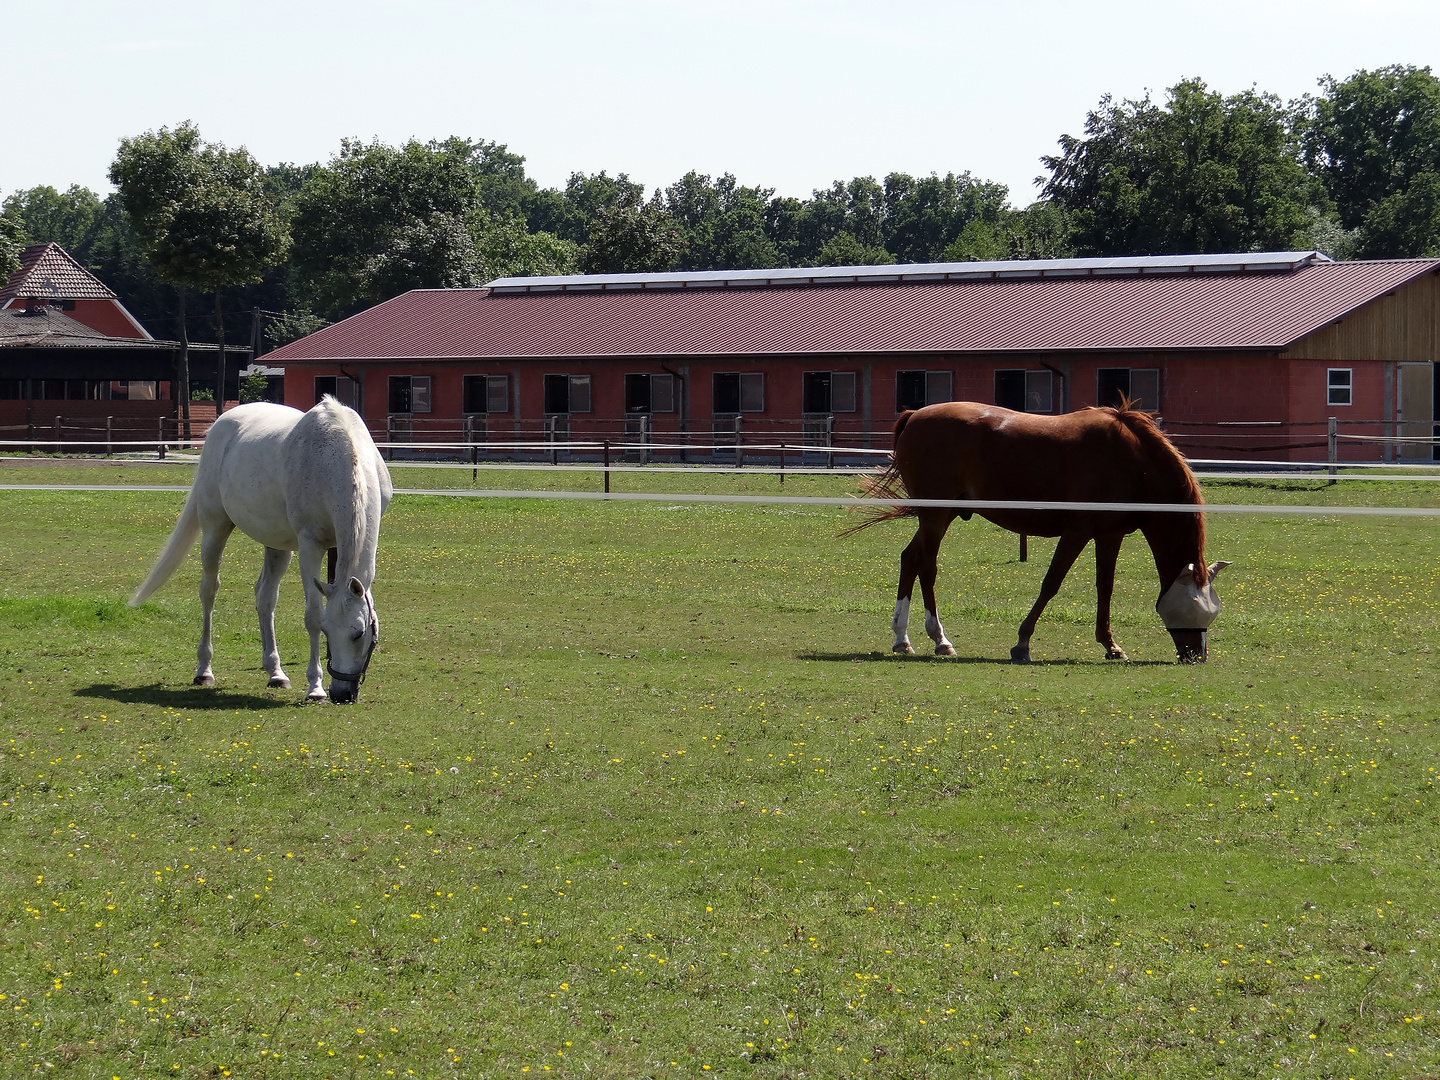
x=900, y=621
x=267, y=593
x=1066, y=552
x=1107, y=552
x=312, y=566
x=932, y=529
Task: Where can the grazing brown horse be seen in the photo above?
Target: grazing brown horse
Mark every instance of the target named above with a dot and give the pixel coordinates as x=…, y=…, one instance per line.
x=963, y=450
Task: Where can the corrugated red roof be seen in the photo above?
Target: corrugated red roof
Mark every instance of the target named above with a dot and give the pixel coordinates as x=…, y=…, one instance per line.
x=1242, y=311
x=47, y=271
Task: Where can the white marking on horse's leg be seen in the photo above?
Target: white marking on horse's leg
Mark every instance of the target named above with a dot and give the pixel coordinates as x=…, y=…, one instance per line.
x=312, y=567
x=267, y=593
x=937, y=634
x=900, y=623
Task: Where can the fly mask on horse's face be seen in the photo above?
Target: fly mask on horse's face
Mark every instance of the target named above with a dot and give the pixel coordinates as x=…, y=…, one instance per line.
x=352, y=630
x=1188, y=607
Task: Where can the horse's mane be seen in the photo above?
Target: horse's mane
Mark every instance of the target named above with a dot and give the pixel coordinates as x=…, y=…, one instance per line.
x=342, y=417
x=1179, y=482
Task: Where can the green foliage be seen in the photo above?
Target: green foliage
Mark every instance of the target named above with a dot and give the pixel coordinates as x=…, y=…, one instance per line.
x=378, y=220
x=721, y=223
x=12, y=242
x=202, y=395
x=291, y=326
x=1202, y=173
x=631, y=236
x=924, y=217
x=254, y=387
x=201, y=211
x=1374, y=141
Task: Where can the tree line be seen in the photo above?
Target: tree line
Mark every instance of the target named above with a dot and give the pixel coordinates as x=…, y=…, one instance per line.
x=1352, y=170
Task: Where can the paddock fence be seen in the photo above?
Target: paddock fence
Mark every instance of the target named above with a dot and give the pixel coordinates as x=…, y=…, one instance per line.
x=820, y=443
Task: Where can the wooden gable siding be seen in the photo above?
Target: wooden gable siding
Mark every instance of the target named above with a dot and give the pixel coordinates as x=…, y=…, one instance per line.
x=1403, y=326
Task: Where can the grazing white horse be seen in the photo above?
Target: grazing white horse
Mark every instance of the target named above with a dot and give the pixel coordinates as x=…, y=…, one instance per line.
x=292, y=481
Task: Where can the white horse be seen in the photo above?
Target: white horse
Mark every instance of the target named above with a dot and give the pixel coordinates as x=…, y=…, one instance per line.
x=290, y=480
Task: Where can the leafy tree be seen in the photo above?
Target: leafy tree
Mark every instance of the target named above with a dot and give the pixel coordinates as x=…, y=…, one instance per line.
x=1374, y=141
x=923, y=217
x=68, y=218
x=12, y=242
x=979, y=241
x=378, y=220
x=632, y=237
x=721, y=222
x=203, y=219
x=569, y=214
x=845, y=249
x=254, y=387
x=1042, y=230
x=1202, y=173
x=290, y=326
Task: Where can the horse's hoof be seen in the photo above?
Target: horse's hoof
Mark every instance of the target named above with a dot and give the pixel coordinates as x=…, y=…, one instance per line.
x=204, y=680
x=1020, y=654
x=905, y=649
x=317, y=696
x=945, y=649
x=1115, y=653
x=279, y=682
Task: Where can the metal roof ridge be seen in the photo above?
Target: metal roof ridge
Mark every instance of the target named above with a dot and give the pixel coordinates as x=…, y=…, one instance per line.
x=1223, y=262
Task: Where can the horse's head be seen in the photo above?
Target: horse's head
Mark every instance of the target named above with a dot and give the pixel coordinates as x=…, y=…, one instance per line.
x=1189, y=606
x=352, y=630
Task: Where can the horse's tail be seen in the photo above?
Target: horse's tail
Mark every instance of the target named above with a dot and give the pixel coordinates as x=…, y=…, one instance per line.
x=887, y=485
x=176, y=548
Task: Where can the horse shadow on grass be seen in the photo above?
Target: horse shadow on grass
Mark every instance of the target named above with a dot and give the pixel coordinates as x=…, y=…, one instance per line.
x=183, y=697
x=920, y=658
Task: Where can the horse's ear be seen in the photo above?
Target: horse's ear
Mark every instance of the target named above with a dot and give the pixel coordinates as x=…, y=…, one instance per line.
x=1216, y=567
x=324, y=588
x=357, y=588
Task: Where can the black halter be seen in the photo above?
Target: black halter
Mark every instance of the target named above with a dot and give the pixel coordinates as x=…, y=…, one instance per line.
x=357, y=677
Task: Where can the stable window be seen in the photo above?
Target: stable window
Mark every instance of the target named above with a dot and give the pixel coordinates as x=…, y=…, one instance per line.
x=649, y=393
x=409, y=394
x=916, y=389
x=1025, y=391
x=485, y=393
x=1339, y=386
x=1140, y=386
x=341, y=387
x=827, y=391
x=12, y=389
x=738, y=391
x=567, y=394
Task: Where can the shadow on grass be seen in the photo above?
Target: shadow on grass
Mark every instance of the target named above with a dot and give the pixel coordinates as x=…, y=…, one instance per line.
x=183, y=697
x=920, y=658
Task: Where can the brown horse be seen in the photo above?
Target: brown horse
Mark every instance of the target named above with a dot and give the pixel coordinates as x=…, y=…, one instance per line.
x=963, y=450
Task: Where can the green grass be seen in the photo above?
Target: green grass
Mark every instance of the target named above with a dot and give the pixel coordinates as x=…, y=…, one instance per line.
x=637, y=790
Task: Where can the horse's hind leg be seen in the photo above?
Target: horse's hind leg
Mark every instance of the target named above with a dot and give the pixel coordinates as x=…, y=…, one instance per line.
x=932, y=529
x=909, y=567
x=212, y=546
x=1066, y=552
x=1107, y=551
x=267, y=594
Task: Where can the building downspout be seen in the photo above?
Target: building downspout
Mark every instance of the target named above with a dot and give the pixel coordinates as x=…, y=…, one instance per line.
x=359, y=390
x=1064, y=385
x=1387, y=450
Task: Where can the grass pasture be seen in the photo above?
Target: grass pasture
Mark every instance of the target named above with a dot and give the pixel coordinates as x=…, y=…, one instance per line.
x=637, y=790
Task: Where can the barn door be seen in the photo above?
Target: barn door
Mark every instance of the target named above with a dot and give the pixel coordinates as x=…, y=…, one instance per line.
x=1416, y=413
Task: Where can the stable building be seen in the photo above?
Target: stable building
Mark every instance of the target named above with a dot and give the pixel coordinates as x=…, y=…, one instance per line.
x=1243, y=355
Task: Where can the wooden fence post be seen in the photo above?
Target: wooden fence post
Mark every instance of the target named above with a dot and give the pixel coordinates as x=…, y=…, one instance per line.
x=109, y=436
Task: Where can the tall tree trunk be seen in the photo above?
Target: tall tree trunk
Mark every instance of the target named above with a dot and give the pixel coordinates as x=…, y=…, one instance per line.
x=220, y=367
x=184, y=369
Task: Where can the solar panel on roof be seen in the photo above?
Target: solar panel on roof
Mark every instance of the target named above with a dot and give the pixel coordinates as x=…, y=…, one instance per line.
x=1227, y=263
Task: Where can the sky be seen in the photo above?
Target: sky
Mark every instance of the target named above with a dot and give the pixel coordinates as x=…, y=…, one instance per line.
x=787, y=95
